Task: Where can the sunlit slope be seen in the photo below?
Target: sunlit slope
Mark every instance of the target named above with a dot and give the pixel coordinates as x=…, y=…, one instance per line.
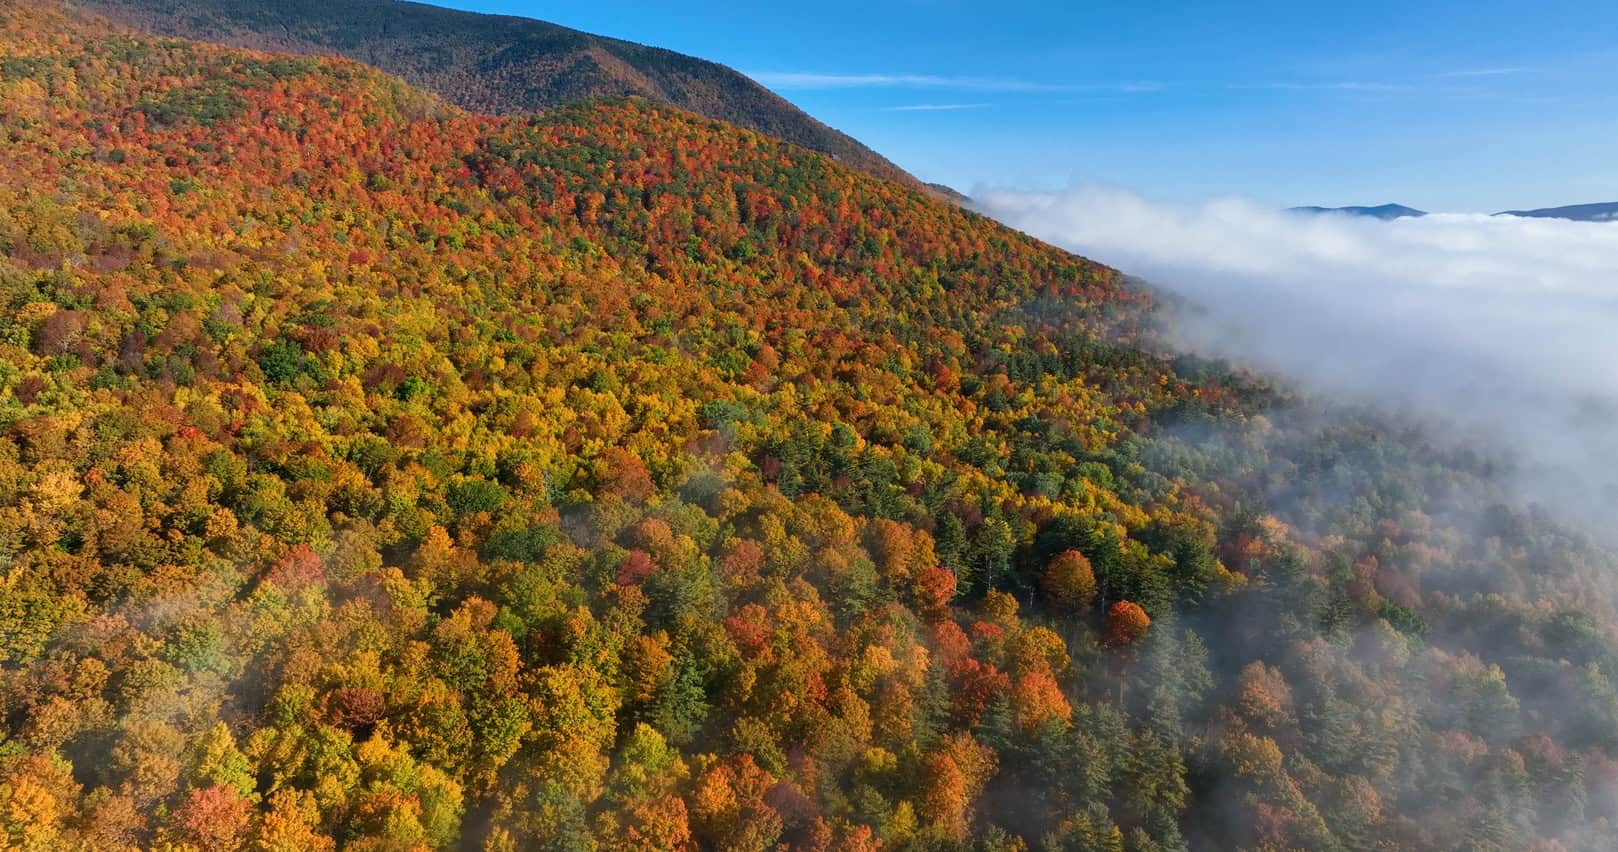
x=376, y=474
x=494, y=64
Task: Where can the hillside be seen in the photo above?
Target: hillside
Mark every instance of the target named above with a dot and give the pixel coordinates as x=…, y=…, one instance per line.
x=494, y=64
x=378, y=475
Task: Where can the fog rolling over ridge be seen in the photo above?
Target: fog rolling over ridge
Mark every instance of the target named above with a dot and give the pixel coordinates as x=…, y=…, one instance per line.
x=1493, y=330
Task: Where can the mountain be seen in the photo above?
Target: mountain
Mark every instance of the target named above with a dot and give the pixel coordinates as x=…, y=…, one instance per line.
x=1382, y=211
x=1603, y=212
x=493, y=64
x=380, y=475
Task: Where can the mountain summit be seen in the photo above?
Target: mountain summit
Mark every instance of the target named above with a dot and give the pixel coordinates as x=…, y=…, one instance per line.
x=495, y=64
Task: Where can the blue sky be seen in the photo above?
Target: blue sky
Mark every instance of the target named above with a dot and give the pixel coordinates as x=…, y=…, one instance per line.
x=1442, y=104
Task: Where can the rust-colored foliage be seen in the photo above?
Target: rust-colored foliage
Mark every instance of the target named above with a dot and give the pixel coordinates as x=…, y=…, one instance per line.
x=1069, y=580
x=378, y=474
x=1126, y=623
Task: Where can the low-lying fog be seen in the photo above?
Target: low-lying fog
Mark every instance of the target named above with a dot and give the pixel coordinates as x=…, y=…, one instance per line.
x=1499, y=330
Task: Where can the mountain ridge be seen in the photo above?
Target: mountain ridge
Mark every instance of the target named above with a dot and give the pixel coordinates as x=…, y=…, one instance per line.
x=1596, y=212
x=1381, y=211
x=1606, y=211
x=496, y=64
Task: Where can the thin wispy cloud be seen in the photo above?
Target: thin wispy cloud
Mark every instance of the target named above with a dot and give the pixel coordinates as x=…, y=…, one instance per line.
x=810, y=80
x=814, y=80
x=1482, y=72
x=1332, y=86
x=799, y=80
x=803, y=80
x=807, y=80
x=1356, y=86
x=933, y=107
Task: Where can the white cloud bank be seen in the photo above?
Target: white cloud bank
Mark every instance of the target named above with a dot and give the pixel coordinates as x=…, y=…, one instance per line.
x=1495, y=329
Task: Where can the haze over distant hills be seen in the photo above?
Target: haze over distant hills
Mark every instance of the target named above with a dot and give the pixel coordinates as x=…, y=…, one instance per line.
x=1381, y=211
x=1601, y=212
x=495, y=64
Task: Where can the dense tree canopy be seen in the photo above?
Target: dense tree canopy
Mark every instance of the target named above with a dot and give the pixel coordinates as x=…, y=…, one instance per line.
x=378, y=475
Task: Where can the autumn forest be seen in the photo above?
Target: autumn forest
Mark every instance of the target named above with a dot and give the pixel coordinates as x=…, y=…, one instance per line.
x=378, y=475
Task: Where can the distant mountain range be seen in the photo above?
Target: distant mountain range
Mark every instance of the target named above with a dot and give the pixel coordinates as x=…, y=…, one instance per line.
x=1602, y=212
x=496, y=64
x=1381, y=211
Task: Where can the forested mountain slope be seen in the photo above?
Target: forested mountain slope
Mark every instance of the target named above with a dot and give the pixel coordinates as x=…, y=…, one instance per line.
x=380, y=475
x=492, y=63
